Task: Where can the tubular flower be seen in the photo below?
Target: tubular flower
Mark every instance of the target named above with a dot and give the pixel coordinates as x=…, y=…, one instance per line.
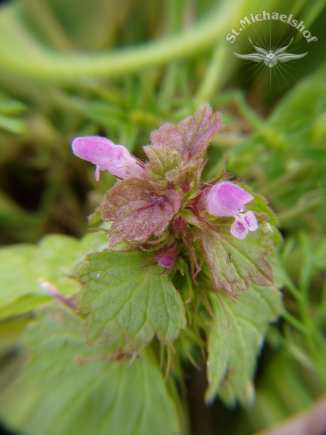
x=227, y=199
x=107, y=156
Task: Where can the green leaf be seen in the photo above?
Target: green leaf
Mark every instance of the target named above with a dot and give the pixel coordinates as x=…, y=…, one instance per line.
x=9, y=106
x=128, y=301
x=235, y=340
x=234, y=262
x=54, y=259
x=182, y=280
x=68, y=388
x=95, y=219
x=10, y=333
x=13, y=125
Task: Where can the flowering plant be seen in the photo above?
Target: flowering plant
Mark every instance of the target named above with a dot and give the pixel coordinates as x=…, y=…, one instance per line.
x=180, y=251
x=103, y=332
x=162, y=206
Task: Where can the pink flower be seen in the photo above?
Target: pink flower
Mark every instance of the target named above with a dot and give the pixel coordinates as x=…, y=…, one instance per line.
x=108, y=156
x=227, y=199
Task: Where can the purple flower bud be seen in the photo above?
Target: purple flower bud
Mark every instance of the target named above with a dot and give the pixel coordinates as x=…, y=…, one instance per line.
x=108, y=156
x=227, y=199
x=165, y=261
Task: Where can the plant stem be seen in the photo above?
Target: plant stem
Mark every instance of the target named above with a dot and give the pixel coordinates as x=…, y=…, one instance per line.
x=71, y=67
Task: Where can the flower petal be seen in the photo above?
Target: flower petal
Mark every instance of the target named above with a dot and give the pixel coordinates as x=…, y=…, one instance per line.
x=95, y=149
x=227, y=196
x=251, y=221
x=107, y=156
x=215, y=209
x=239, y=229
x=124, y=165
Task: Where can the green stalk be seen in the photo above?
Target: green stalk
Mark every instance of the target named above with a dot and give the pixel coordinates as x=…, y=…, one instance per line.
x=29, y=58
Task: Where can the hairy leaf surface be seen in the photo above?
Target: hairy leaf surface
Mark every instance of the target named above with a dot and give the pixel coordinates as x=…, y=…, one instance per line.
x=233, y=263
x=172, y=147
x=138, y=210
x=68, y=388
x=162, y=160
x=129, y=302
x=235, y=341
x=198, y=130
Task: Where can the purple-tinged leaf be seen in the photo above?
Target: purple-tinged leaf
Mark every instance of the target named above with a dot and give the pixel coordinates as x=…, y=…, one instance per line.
x=168, y=136
x=173, y=147
x=138, y=210
x=199, y=130
x=233, y=263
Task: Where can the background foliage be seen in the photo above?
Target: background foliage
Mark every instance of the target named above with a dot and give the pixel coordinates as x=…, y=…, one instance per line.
x=121, y=69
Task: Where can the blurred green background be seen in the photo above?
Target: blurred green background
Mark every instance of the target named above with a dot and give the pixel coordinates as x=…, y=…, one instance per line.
x=121, y=68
